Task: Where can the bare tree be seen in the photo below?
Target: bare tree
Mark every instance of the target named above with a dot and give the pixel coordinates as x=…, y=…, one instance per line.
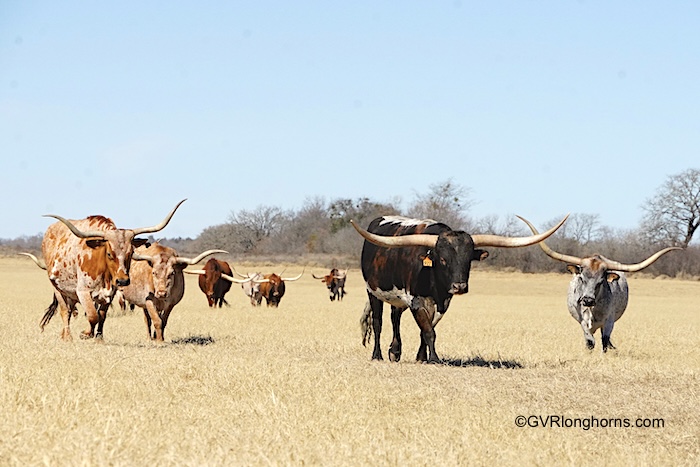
x=584, y=228
x=673, y=213
x=361, y=210
x=445, y=202
x=262, y=222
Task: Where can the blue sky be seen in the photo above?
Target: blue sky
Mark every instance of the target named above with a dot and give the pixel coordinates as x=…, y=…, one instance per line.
x=540, y=108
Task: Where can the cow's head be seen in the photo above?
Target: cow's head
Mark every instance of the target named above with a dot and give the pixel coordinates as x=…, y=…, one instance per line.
x=592, y=277
x=112, y=248
x=593, y=274
x=451, y=252
x=166, y=265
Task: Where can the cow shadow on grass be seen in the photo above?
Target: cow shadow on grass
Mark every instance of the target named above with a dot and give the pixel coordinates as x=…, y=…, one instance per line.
x=480, y=362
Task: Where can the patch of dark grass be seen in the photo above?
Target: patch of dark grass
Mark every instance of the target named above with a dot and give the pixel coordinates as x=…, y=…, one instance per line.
x=194, y=340
x=479, y=361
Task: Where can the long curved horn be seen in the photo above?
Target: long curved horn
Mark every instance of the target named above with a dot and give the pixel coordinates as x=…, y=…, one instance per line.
x=197, y=259
x=139, y=257
x=638, y=266
x=314, y=276
x=238, y=273
x=76, y=231
x=514, y=242
x=200, y=272
x=234, y=280
x=426, y=240
x=551, y=253
x=161, y=226
x=292, y=279
x=38, y=262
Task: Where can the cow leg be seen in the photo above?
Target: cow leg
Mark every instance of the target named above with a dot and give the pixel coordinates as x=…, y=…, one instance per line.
x=377, y=310
x=427, y=332
x=101, y=317
x=588, y=336
x=147, y=320
x=164, y=318
x=91, y=314
x=395, y=348
x=156, y=320
x=586, y=322
x=66, y=308
x=607, y=331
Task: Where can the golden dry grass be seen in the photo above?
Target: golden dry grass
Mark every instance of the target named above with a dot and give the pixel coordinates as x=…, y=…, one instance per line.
x=292, y=386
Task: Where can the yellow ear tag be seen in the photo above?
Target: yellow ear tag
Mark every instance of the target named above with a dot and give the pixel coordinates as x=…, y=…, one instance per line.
x=427, y=262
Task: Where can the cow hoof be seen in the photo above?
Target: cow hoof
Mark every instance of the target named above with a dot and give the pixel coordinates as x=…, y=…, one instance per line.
x=394, y=357
x=86, y=335
x=377, y=357
x=590, y=345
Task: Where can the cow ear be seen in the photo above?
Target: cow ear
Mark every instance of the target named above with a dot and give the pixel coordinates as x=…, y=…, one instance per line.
x=137, y=242
x=612, y=276
x=480, y=255
x=95, y=242
x=573, y=269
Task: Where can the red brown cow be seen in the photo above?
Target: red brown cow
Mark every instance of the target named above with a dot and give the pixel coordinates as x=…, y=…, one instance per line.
x=211, y=282
x=86, y=260
x=335, y=283
x=272, y=287
x=157, y=283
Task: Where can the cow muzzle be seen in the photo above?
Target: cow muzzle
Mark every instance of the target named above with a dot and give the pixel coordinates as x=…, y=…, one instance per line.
x=459, y=288
x=123, y=282
x=588, y=301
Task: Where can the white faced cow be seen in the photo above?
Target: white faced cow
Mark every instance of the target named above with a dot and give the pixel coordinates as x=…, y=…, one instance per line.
x=157, y=283
x=251, y=288
x=420, y=264
x=598, y=291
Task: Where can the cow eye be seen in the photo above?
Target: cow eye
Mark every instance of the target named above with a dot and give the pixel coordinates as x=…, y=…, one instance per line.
x=443, y=261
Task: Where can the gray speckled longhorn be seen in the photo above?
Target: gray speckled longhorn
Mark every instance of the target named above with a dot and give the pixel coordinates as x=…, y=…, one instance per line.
x=598, y=291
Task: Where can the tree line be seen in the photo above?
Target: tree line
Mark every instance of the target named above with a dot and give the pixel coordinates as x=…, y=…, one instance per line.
x=320, y=232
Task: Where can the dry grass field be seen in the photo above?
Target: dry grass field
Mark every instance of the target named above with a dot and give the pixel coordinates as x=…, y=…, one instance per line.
x=294, y=386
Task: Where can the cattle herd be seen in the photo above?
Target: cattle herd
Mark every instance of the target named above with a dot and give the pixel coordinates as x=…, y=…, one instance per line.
x=408, y=263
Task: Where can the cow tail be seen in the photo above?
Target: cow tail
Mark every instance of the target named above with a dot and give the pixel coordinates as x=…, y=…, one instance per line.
x=48, y=314
x=366, y=324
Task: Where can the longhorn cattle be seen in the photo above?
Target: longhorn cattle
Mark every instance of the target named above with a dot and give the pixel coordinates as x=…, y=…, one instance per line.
x=211, y=283
x=157, y=283
x=118, y=295
x=272, y=287
x=251, y=288
x=335, y=283
x=215, y=281
x=598, y=291
x=419, y=264
x=86, y=260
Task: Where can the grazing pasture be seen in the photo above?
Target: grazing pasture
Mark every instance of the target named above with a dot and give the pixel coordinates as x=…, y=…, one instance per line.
x=293, y=385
